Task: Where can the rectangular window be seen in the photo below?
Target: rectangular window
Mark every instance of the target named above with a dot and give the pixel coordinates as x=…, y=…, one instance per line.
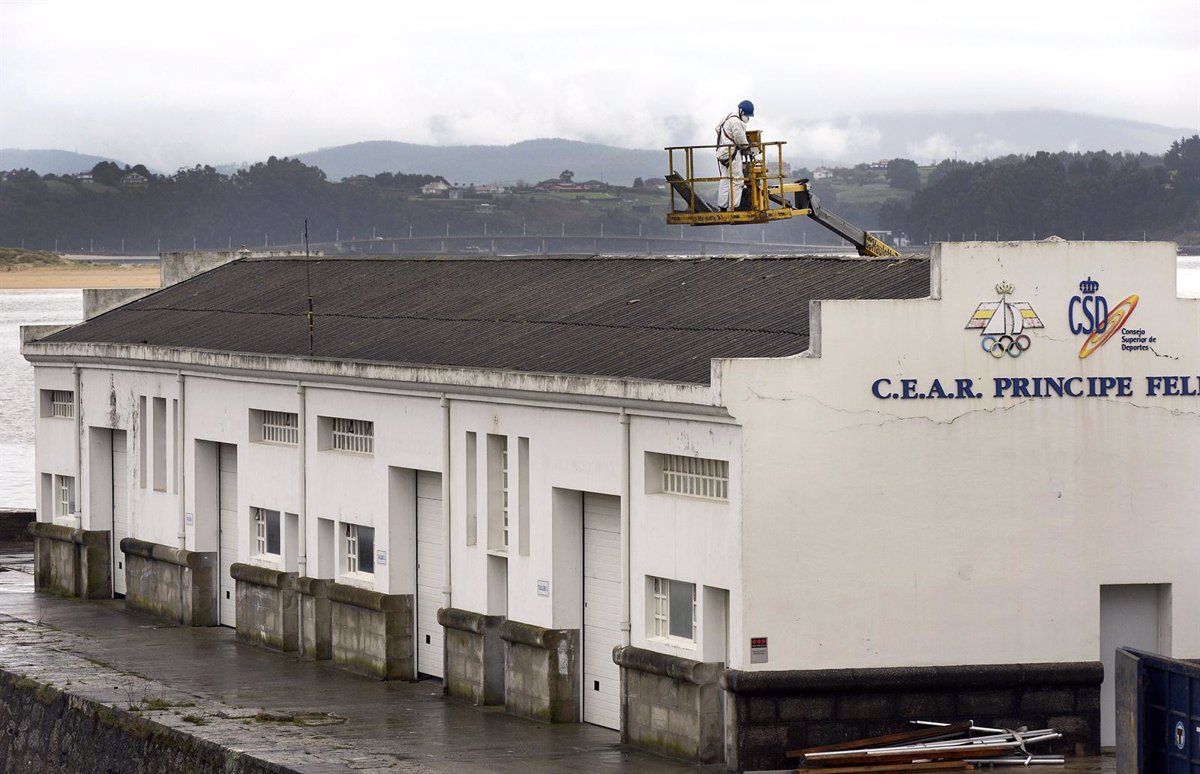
x=471, y=472
x=159, y=428
x=62, y=404
x=505, y=493
x=695, y=477
x=523, y=496
x=674, y=609
x=65, y=496
x=497, y=492
x=280, y=427
x=143, y=433
x=353, y=435
x=266, y=531
x=359, y=548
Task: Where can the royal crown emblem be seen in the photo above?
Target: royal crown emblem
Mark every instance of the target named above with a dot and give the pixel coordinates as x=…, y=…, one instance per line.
x=1003, y=323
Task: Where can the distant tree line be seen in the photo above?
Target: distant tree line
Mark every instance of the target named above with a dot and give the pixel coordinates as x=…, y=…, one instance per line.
x=1074, y=195
x=1096, y=195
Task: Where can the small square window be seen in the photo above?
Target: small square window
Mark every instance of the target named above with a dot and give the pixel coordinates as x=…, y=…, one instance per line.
x=353, y=435
x=695, y=477
x=279, y=427
x=65, y=500
x=674, y=609
x=360, y=549
x=62, y=404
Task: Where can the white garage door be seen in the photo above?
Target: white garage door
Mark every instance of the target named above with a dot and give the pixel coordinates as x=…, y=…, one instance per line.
x=601, y=609
x=120, y=506
x=227, y=502
x=430, y=571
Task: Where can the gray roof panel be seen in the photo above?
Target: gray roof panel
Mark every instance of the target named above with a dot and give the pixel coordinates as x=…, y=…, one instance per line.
x=663, y=319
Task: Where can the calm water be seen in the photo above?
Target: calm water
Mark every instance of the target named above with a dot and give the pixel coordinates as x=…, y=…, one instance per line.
x=19, y=307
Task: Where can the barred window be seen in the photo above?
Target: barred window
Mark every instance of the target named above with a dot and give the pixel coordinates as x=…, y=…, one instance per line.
x=280, y=427
x=356, y=435
x=62, y=404
x=674, y=609
x=695, y=476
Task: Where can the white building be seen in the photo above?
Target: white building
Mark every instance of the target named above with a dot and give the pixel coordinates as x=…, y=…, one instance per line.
x=946, y=494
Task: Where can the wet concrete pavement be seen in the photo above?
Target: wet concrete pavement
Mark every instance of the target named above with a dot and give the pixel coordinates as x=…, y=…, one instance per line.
x=322, y=719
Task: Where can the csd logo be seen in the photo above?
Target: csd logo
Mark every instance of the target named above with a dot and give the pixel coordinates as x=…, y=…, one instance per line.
x=1088, y=313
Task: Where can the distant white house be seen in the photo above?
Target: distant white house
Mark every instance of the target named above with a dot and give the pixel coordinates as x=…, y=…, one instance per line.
x=436, y=188
x=822, y=173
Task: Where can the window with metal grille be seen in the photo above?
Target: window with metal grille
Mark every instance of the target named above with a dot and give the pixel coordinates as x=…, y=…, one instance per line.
x=360, y=549
x=674, y=609
x=65, y=504
x=355, y=435
x=695, y=477
x=266, y=529
x=504, y=492
x=280, y=427
x=62, y=404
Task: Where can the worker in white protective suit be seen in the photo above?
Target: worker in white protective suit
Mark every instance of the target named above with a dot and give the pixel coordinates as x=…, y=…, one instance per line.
x=733, y=151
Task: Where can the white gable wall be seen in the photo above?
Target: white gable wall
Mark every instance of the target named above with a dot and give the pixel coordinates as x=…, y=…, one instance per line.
x=903, y=532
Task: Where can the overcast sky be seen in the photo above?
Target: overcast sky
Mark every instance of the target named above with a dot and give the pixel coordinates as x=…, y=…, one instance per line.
x=175, y=82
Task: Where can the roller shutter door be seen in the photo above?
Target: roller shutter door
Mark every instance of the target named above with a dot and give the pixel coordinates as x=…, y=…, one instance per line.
x=601, y=609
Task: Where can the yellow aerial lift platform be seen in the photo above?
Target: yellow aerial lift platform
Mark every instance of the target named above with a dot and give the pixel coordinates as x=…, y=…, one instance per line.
x=764, y=199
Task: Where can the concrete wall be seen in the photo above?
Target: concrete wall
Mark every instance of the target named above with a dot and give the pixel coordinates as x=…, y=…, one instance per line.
x=541, y=672
x=171, y=583
x=48, y=731
x=97, y=301
x=893, y=531
x=267, y=601
x=372, y=633
x=772, y=712
x=474, y=665
x=316, y=619
x=73, y=562
x=672, y=705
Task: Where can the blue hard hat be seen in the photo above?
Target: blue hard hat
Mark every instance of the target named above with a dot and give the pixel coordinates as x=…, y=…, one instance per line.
x=747, y=107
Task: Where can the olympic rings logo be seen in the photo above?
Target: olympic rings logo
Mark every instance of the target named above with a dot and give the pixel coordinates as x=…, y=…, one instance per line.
x=999, y=346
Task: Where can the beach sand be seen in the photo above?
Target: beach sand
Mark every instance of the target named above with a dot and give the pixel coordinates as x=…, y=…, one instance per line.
x=74, y=275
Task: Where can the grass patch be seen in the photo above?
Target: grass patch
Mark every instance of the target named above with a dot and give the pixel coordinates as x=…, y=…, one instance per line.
x=198, y=720
x=16, y=256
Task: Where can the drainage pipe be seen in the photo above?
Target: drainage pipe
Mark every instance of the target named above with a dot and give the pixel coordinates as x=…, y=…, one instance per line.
x=78, y=493
x=625, y=542
x=179, y=462
x=446, y=597
x=302, y=517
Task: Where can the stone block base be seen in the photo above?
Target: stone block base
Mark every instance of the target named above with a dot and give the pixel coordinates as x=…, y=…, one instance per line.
x=771, y=712
x=75, y=562
x=266, y=607
x=172, y=583
x=316, y=640
x=474, y=656
x=671, y=705
x=541, y=672
x=372, y=633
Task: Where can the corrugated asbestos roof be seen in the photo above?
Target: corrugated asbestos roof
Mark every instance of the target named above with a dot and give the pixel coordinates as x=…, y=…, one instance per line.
x=644, y=318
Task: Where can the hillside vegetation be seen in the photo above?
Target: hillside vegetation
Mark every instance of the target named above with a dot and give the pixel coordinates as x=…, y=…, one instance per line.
x=1072, y=195
x=11, y=257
